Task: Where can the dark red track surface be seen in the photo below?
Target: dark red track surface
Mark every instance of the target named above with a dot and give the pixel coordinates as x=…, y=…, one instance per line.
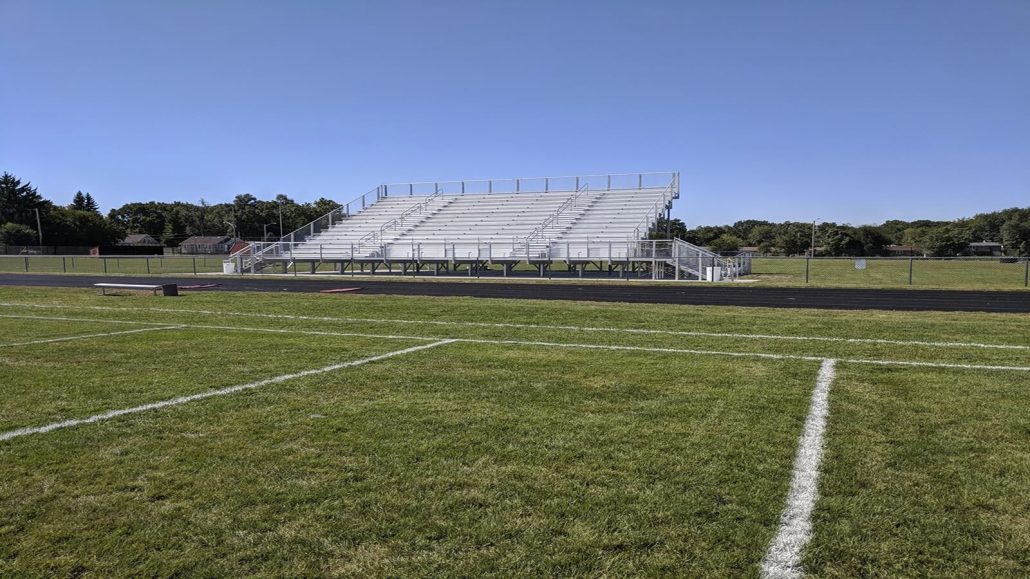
x=670, y=293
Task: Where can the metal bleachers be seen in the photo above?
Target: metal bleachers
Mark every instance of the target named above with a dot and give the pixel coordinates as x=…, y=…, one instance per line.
x=576, y=220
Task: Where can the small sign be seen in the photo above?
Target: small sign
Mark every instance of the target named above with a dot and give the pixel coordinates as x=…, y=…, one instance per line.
x=859, y=264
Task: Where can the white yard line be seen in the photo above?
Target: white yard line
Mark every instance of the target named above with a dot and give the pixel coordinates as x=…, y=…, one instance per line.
x=783, y=559
x=87, y=336
x=882, y=341
x=760, y=355
x=208, y=394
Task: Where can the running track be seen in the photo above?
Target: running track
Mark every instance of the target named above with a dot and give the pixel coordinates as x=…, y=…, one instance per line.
x=693, y=294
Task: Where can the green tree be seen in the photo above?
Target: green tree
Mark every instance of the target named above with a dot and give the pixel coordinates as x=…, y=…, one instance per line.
x=63, y=226
x=726, y=242
x=89, y=204
x=947, y=241
x=78, y=201
x=19, y=201
x=17, y=234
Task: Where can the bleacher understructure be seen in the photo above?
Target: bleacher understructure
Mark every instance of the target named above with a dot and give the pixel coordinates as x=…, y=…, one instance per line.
x=594, y=223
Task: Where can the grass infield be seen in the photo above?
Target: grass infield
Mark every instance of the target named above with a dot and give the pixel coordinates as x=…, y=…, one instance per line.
x=484, y=458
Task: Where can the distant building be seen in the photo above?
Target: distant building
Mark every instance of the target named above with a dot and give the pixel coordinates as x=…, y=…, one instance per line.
x=985, y=248
x=210, y=244
x=139, y=239
x=905, y=251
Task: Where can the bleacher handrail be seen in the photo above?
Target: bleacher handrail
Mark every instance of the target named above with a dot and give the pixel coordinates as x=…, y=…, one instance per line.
x=554, y=215
x=654, y=213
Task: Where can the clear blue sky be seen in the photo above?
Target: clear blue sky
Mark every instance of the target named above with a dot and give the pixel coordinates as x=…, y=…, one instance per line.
x=839, y=110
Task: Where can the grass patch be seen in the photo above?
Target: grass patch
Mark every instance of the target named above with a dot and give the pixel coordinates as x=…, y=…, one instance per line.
x=505, y=465
x=925, y=474
x=501, y=459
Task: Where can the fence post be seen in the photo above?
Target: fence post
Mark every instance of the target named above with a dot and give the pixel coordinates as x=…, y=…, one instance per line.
x=26, y=263
x=64, y=265
x=147, y=259
x=104, y=259
x=807, y=259
x=1026, y=270
x=194, y=266
x=911, y=260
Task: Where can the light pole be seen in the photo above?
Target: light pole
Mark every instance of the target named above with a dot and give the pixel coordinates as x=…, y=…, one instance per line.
x=280, y=220
x=39, y=229
x=811, y=253
x=813, y=237
x=265, y=236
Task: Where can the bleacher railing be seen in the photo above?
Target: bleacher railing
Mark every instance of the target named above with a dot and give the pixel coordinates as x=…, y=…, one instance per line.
x=606, y=182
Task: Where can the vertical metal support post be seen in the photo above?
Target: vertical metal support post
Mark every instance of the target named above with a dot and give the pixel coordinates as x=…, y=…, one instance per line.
x=64, y=265
x=609, y=182
x=411, y=189
x=910, y=260
x=640, y=180
x=1026, y=271
x=26, y=263
x=654, y=259
x=147, y=259
x=807, y=259
x=490, y=186
x=547, y=184
x=104, y=259
x=676, y=260
x=194, y=266
x=517, y=185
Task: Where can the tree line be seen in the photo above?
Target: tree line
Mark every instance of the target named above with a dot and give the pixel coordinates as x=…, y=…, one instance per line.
x=80, y=223
x=1010, y=227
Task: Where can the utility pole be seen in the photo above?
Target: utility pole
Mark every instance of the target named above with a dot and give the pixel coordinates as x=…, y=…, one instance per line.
x=280, y=220
x=39, y=228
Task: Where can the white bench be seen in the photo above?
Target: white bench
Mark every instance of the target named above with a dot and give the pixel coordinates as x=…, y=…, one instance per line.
x=168, y=289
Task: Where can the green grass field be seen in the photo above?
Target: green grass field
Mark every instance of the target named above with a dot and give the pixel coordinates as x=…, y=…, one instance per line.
x=500, y=437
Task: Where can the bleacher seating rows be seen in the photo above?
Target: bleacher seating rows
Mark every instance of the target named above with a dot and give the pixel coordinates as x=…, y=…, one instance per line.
x=508, y=224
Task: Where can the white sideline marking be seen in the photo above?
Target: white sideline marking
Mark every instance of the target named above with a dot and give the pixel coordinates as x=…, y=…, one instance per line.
x=881, y=341
x=783, y=559
x=554, y=344
x=200, y=396
x=86, y=336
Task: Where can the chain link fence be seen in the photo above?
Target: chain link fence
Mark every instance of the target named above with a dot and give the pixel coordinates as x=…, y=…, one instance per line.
x=981, y=273
x=138, y=265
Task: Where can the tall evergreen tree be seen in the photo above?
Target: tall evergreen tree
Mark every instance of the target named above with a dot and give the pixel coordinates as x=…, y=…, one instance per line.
x=18, y=201
x=90, y=205
x=79, y=201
